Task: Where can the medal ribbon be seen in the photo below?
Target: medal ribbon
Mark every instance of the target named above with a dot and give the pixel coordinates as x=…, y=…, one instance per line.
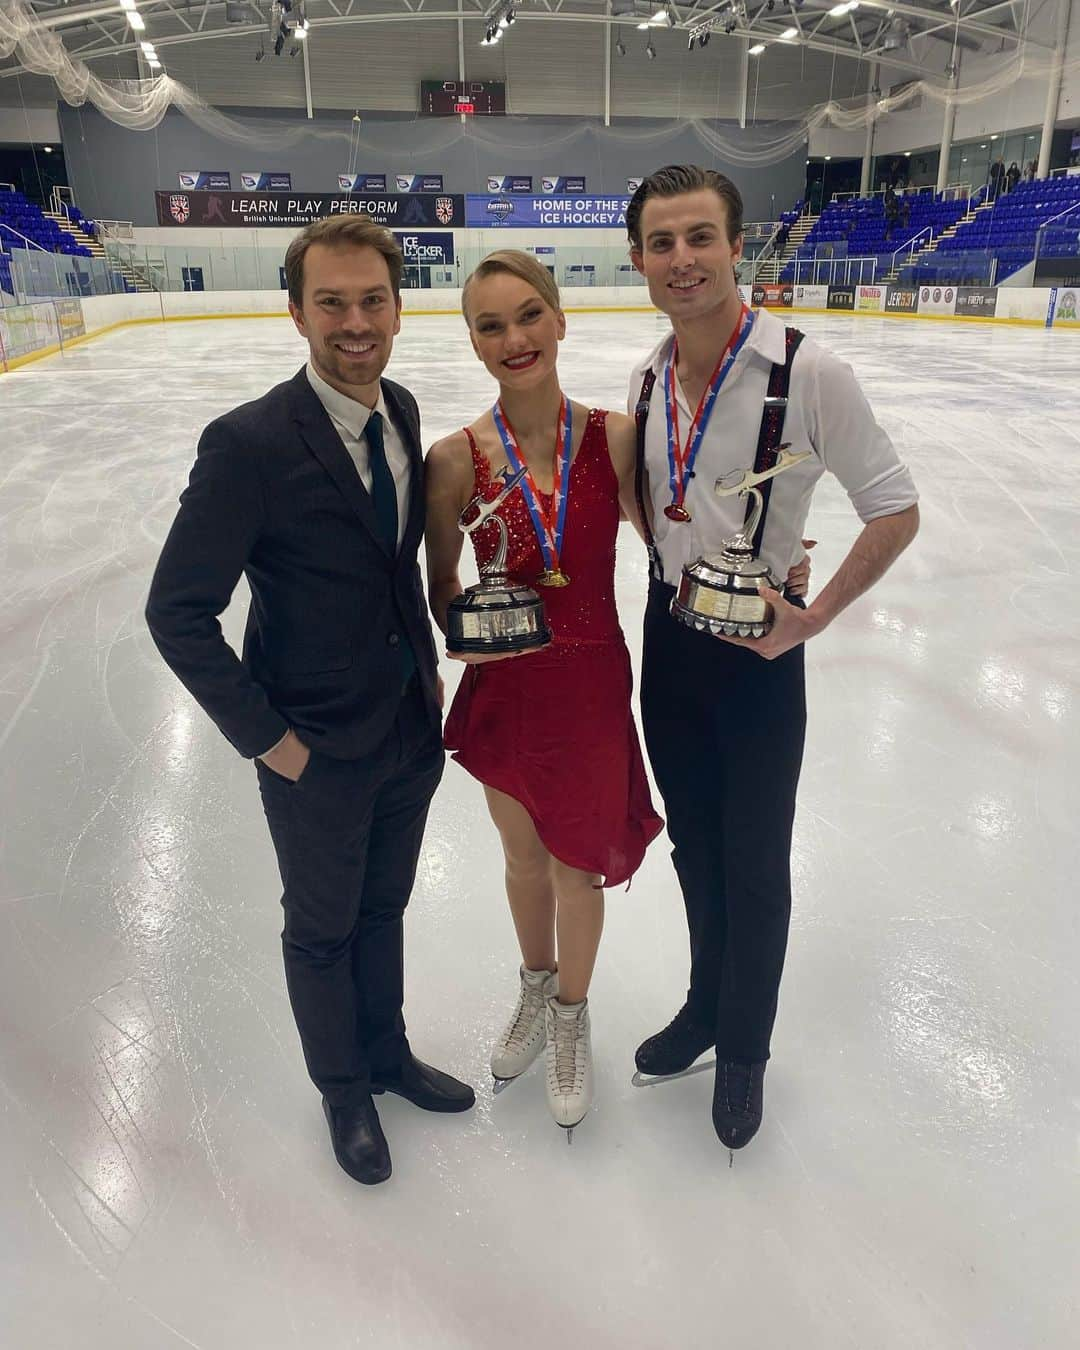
x=550, y=525
x=681, y=459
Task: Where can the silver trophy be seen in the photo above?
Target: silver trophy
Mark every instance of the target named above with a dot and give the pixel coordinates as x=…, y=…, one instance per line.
x=719, y=594
x=497, y=614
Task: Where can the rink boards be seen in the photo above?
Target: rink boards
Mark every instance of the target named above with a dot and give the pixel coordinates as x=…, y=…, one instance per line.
x=30, y=332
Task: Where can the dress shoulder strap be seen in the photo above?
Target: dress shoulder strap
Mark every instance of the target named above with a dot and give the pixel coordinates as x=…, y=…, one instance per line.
x=481, y=467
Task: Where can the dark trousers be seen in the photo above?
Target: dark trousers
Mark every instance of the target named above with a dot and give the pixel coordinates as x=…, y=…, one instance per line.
x=724, y=730
x=347, y=836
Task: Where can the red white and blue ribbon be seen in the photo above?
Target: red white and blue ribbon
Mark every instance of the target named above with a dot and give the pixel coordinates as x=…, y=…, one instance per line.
x=549, y=524
x=681, y=458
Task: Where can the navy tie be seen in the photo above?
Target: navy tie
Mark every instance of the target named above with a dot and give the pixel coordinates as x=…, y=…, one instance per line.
x=384, y=499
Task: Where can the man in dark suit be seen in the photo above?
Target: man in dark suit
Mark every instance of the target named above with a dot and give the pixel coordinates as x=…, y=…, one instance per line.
x=315, y=493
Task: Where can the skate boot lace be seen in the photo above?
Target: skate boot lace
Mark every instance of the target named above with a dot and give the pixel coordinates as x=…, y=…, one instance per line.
x=569, y=1064
x=530, y=1004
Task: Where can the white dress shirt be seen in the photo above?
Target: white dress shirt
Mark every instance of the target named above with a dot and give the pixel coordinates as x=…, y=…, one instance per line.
x=350, y=418
x=827, y=414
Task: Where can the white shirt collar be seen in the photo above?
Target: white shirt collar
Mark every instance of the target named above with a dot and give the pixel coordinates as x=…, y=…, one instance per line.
x=347, y=412
x=767, y=337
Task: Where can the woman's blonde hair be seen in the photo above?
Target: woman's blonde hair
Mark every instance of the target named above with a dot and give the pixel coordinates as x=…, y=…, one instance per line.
x=521, y=265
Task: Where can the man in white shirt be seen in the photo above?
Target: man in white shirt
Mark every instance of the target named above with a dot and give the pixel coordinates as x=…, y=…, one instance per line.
x=314, y=492
x=724, y=718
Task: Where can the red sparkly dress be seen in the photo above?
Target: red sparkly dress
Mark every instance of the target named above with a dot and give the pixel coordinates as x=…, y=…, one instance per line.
x=554, y=729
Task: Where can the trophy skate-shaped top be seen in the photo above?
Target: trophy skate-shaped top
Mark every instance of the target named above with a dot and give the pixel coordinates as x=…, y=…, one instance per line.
x=720, y=594
x=467, y=523
x=745, y=485
x=498, y=614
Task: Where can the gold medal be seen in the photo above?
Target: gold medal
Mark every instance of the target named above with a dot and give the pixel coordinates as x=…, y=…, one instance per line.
x=553, y=577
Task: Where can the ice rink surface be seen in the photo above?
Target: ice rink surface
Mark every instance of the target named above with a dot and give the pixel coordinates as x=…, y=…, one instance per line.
x=166, y=1178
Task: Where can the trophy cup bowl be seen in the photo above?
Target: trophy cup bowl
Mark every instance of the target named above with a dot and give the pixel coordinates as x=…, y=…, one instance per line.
x=497, y=615
x=719, y=594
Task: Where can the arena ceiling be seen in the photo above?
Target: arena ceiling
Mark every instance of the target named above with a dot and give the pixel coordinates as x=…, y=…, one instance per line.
x=913, y=38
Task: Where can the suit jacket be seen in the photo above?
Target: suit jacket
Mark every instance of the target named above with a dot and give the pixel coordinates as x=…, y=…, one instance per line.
x=273, y=495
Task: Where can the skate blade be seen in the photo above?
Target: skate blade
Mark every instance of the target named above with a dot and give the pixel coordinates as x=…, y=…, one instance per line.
x=501, y=1084
x=568, y=1130
x=652, y=1079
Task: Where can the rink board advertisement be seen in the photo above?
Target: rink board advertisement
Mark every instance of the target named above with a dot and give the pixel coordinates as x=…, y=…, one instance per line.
x=69, y=318
x=1065, y=307
x=937, y=299
x=841, y=297
x=484, y=212
x=812, y=297
x=870, y=299
x=976, y=301
x=26, y=328
x=773, y=296
x=247, y=210
x=902, y=300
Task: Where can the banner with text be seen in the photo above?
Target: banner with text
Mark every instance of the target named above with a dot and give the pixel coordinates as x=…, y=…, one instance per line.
x=841, y=297
x=812, y=297
x=415, y=210
x=509, y=182
x=773, y=296
x=362, y=182
x=553, y=182
x=482, y=212
x=870, y=299
x=977, y=301
x=261, y=180
x=901, y=300
x=418, y=182
x=196, y=180
x=426, y=249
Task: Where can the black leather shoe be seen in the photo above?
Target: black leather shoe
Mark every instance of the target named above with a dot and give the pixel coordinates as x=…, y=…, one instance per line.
x=676, y=1047
x=738, y=1101
x=359, y=1143
x=429, y=1089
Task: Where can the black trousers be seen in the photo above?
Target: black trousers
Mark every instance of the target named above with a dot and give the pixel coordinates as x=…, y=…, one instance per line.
x=347, y=836
x=725, y=730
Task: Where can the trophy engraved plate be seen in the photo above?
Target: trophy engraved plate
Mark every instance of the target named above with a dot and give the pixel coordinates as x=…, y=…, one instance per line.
x=718, y=594
x=497, y=614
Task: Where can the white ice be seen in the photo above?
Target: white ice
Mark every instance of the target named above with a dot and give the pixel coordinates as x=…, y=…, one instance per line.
x=165, y=1176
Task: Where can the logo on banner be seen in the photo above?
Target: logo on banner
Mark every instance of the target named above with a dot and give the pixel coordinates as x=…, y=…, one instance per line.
x=841, y=297
x=345, y=182
x=976, y=300
x=250, y=180
x=632, y=185
x=500, y=210
x=901, y=301
x=189, y=180
x=404, y=182
x=179, y=208
x=444, y=210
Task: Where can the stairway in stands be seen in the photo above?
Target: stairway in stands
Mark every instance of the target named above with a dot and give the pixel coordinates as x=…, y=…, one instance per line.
x=932, y=246
x=769, y=271
x=91, y=242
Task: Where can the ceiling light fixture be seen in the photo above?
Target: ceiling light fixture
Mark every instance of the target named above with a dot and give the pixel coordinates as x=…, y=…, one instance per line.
x=788, y=34
x=650, y=51
x=757, y=49
x=137, y=22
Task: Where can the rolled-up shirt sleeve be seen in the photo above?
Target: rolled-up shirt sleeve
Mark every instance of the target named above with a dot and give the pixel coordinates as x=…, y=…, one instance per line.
x=854, y=446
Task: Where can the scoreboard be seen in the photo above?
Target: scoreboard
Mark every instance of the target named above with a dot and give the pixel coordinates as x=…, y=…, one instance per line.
x=472, y=98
